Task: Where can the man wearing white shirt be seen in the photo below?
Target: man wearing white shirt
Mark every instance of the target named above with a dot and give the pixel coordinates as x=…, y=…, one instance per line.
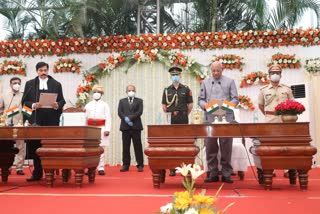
x=98, y=114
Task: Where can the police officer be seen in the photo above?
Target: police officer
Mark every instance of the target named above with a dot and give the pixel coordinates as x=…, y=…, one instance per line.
x=177, y=99
x=273, y=94
x=269, y=97
x=218, y=87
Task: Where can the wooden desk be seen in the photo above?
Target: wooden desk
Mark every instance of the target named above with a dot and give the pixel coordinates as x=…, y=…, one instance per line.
x=283, y=146
x=66, y=147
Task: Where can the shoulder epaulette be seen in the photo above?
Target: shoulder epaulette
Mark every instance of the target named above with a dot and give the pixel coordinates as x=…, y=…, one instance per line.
x=264, y=87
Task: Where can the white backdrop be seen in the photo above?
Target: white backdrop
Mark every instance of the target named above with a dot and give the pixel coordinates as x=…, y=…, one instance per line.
x=150, y=80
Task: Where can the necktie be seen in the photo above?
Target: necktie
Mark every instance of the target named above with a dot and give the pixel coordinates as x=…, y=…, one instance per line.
x=130, y=100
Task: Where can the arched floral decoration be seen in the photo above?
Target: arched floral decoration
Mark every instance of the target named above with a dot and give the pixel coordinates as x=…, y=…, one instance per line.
x=112, y=62
x=285, y=61
x=13, y=67
x=168, y=58
x=230, y=61
x=245, y=102
x=254, y=78
x=67, y=65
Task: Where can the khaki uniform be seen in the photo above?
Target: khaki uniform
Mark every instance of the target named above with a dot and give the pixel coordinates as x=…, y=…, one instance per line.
x=270, y=97
x=4, y=104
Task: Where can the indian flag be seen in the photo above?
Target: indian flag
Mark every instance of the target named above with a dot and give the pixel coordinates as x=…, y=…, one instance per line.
x=12, y=111
x=26, y=111
x=228, y=106
x=212, y=107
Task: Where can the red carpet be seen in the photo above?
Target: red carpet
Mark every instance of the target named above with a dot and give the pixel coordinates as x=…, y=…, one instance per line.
x=132, y=192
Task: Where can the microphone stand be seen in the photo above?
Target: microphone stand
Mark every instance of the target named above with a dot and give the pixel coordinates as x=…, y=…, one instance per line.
x=35, y=110
x=11, y=122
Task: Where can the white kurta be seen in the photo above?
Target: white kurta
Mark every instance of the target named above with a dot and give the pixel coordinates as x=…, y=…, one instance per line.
x=100, y=110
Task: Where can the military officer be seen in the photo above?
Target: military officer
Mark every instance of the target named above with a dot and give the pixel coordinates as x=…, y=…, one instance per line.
x=218, y=87
x=269, y=97
x=177, y=99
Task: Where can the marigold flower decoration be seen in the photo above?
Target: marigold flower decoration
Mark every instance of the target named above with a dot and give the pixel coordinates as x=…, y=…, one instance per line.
x=187, y=202
x=285, y=61
x=174, y=58
x=84, y=88
x=112, y=62
x=13, y=67
x=313, y=65
x=67, y=65
x=145, y=55
x=245, y=102
x=230, y=61
x=289, y=107
x=254, y=78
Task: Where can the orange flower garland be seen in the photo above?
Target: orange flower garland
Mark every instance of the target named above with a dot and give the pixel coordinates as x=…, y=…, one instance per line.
x=13, y=67
x=113, y=61
x=67, y=65
x=202, y=40
x=145, y=55
x=230, y=61
x=253, y=77
x=246, y=103
x=85, y=87
x=285, y=61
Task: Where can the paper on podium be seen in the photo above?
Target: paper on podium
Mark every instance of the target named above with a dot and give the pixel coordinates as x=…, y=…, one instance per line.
x=47, y=99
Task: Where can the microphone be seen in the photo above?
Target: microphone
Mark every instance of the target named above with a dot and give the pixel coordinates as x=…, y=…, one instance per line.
x=219, y=83
x=23, y=97
x=11, y=122
x=35, y=110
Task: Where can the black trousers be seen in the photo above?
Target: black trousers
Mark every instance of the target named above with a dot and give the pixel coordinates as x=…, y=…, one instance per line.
x=32, y=146
x=135, y=136
x=179, y=117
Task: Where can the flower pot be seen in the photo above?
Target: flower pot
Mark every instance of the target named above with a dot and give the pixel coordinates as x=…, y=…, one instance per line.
x=286, y=118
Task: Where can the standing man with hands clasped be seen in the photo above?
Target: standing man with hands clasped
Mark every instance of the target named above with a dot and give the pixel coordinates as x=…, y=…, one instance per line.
x=177, y=99
x=218, y=88
x=11, y=100
x=43, y=83
x=98, y=114
x=130, y=110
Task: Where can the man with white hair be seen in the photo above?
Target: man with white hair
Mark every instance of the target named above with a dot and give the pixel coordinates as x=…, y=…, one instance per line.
x=98, y=114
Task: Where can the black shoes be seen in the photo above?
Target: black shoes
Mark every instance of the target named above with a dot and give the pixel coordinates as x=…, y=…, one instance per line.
x=20, y=172
x=211, y=179
x=172, y=172
x=34, y=178
x=124, y=169
x=216, y=179
x=101, y=172
x=227, y=180
x=140, y=168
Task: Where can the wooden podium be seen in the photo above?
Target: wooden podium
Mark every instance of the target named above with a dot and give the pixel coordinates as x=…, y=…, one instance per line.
x=283, y=146
x=65, y=147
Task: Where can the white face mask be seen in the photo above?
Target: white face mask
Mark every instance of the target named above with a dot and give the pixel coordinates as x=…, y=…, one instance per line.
x=131, y=93
x=275, y=78
x=16, y=87
x=96, y=95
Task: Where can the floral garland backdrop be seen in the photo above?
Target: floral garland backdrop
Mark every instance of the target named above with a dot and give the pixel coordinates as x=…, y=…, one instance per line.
x=13, y=67
x=168, y=58
x=254, y=78
x=245, y=102
x=202, y=40
x=230, y=61
x=285, y=61
x=67, y=65
x=312, y=65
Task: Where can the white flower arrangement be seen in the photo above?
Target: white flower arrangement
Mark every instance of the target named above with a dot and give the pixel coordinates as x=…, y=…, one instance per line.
x=313, y=65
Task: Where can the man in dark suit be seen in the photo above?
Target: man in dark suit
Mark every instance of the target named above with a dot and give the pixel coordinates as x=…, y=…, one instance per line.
x=130, y=110
x=43, y=83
